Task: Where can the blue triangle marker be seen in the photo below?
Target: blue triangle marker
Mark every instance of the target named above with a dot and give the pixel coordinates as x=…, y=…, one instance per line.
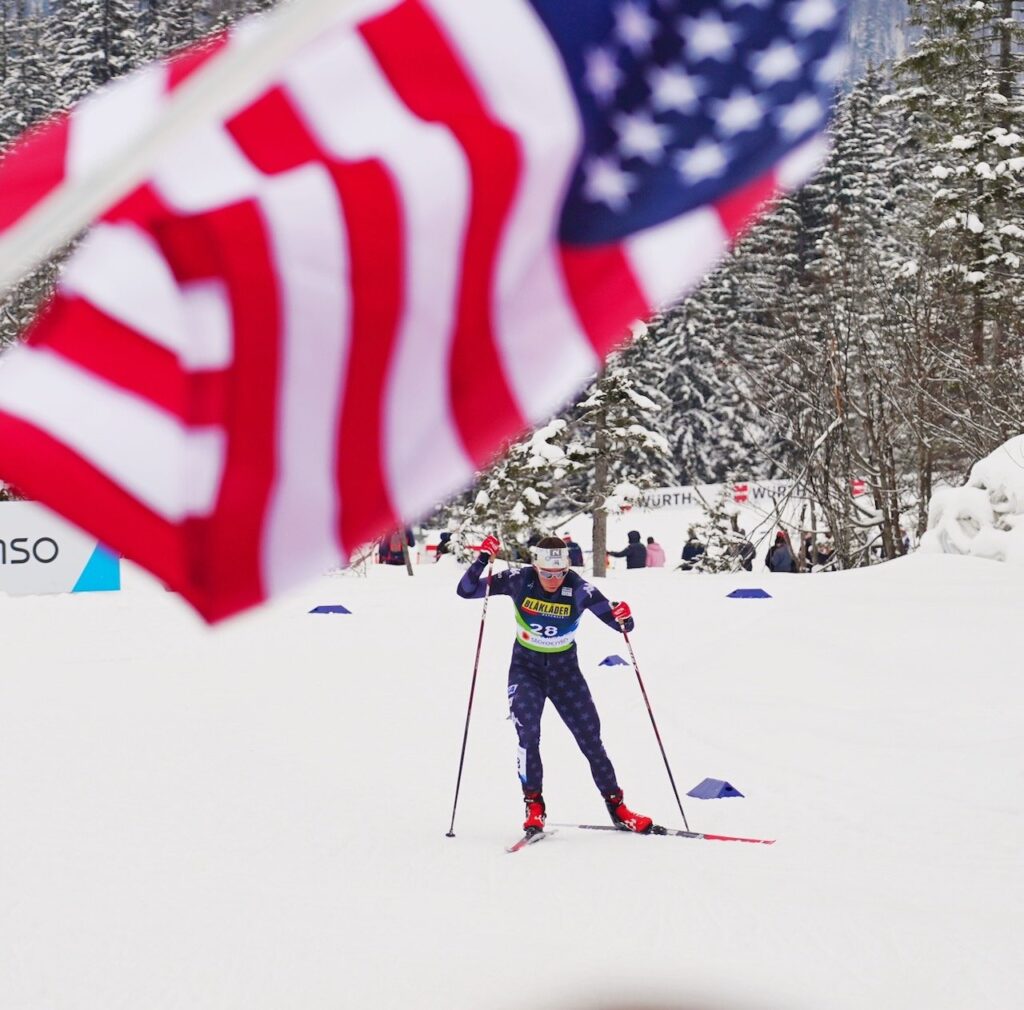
x=713, y=789
x=749, y=594
x=613, y=661
x=102, y=572
x=330, y=608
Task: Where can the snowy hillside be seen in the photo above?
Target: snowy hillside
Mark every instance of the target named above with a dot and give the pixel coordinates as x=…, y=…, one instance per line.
x=255, y=817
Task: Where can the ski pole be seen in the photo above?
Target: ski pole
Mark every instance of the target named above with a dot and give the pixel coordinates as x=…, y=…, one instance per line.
x=472, y=690
x=664, y=757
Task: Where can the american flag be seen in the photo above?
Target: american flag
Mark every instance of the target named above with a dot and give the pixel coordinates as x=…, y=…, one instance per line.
x=320, y=315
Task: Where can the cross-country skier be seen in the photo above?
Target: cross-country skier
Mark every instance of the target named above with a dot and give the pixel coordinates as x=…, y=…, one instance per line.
x=549, y=601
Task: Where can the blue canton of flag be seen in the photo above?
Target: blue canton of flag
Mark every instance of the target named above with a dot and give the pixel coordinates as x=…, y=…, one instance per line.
x=684, y=101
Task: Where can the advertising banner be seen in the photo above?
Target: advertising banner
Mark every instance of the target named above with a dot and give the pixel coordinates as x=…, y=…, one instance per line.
x=41, y=553
x=745, y=493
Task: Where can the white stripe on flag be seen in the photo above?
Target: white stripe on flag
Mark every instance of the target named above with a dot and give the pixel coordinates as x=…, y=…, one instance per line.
x=204, y=170
x=539, y=337
x=308, y=245
x=802, y=162
x=113, y=118
x=670, y=259
x=121, y=271
x=172, y=469
x=424, y=457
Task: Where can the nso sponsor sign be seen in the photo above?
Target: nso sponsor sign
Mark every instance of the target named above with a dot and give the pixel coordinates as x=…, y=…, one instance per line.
x=41, y=553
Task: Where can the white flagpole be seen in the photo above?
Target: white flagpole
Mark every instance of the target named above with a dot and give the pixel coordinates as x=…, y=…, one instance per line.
x=220, y=86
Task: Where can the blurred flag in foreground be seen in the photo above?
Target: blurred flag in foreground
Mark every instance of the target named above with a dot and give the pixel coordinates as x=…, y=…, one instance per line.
x=320, y=313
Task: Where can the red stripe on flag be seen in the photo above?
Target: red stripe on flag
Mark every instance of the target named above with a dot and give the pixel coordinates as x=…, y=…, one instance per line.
x=604, y=292
x=80, y=332
x=429, y=77
x=374, y=227
x=228, y=546
x=272, y=136
x=88, y=498
x=738, y=209
x=32, y=168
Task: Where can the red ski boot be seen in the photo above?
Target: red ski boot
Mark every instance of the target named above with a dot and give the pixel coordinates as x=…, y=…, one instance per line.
x=623, y=817
x=535, y=812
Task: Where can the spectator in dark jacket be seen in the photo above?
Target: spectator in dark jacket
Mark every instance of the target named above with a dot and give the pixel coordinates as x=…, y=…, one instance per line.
x=575, y=552
x=780, y=556
x=634, y=552
x=744, y=550
x=390, y=550
x=692, y=550
x=444, y=545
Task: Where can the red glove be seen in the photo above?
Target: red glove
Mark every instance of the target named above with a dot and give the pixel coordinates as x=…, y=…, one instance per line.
x=491, y=545
x=621, y=612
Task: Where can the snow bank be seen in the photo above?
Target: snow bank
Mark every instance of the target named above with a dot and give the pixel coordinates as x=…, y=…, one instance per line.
x=985, y=518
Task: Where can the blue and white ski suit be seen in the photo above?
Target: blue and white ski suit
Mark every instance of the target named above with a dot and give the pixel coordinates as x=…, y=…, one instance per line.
x=544, y=664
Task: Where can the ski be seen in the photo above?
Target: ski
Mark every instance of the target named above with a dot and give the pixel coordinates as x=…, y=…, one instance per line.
x=531, y=836
x=678, y=833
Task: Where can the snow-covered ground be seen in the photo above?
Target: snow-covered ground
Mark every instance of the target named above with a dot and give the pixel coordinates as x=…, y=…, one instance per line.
x=254, y=817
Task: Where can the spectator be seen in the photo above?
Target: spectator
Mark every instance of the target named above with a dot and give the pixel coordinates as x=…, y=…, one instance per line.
x=634, y=552
x=444, y=545
x=780, y=555
x=390, y=550
x=692, y=551
x=655, y=554
x=826, y=551
x=575, y=552
x=745, y=552
x=904, y=540
x=808, y=551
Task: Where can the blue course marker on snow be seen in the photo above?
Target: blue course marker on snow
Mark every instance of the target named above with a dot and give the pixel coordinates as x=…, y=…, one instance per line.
x=330, y=608
x=713, y=789
x=102, y=572
x=613, y=661
x=749, y=594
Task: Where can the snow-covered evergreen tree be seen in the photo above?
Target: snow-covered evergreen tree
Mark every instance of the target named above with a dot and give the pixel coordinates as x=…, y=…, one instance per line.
x=28, y=86
x=513, y=497
x=711, y=426
x=617, y=427
x=962, y=94
x=91, y=42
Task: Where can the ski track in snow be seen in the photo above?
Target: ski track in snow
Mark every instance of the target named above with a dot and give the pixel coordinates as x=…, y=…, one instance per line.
x=254, y=816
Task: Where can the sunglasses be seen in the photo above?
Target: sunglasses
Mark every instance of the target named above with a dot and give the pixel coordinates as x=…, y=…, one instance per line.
x=551, y=575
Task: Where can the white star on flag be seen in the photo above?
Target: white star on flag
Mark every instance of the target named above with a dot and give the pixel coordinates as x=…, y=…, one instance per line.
x=641, y=137
x=607, y=183
x=800, y=116
x=704, y=161
x=634, y=27
x=673, y=88
x=709, y=37
x=832, y=68
x=603, y=75
x=811, y=15
x=779, y=62
x=740, y=112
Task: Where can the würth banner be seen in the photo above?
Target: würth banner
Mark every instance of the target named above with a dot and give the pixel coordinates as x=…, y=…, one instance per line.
x=322, y=311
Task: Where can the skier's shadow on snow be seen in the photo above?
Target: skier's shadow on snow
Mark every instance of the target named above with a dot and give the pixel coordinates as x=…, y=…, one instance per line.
x=703, y=1004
